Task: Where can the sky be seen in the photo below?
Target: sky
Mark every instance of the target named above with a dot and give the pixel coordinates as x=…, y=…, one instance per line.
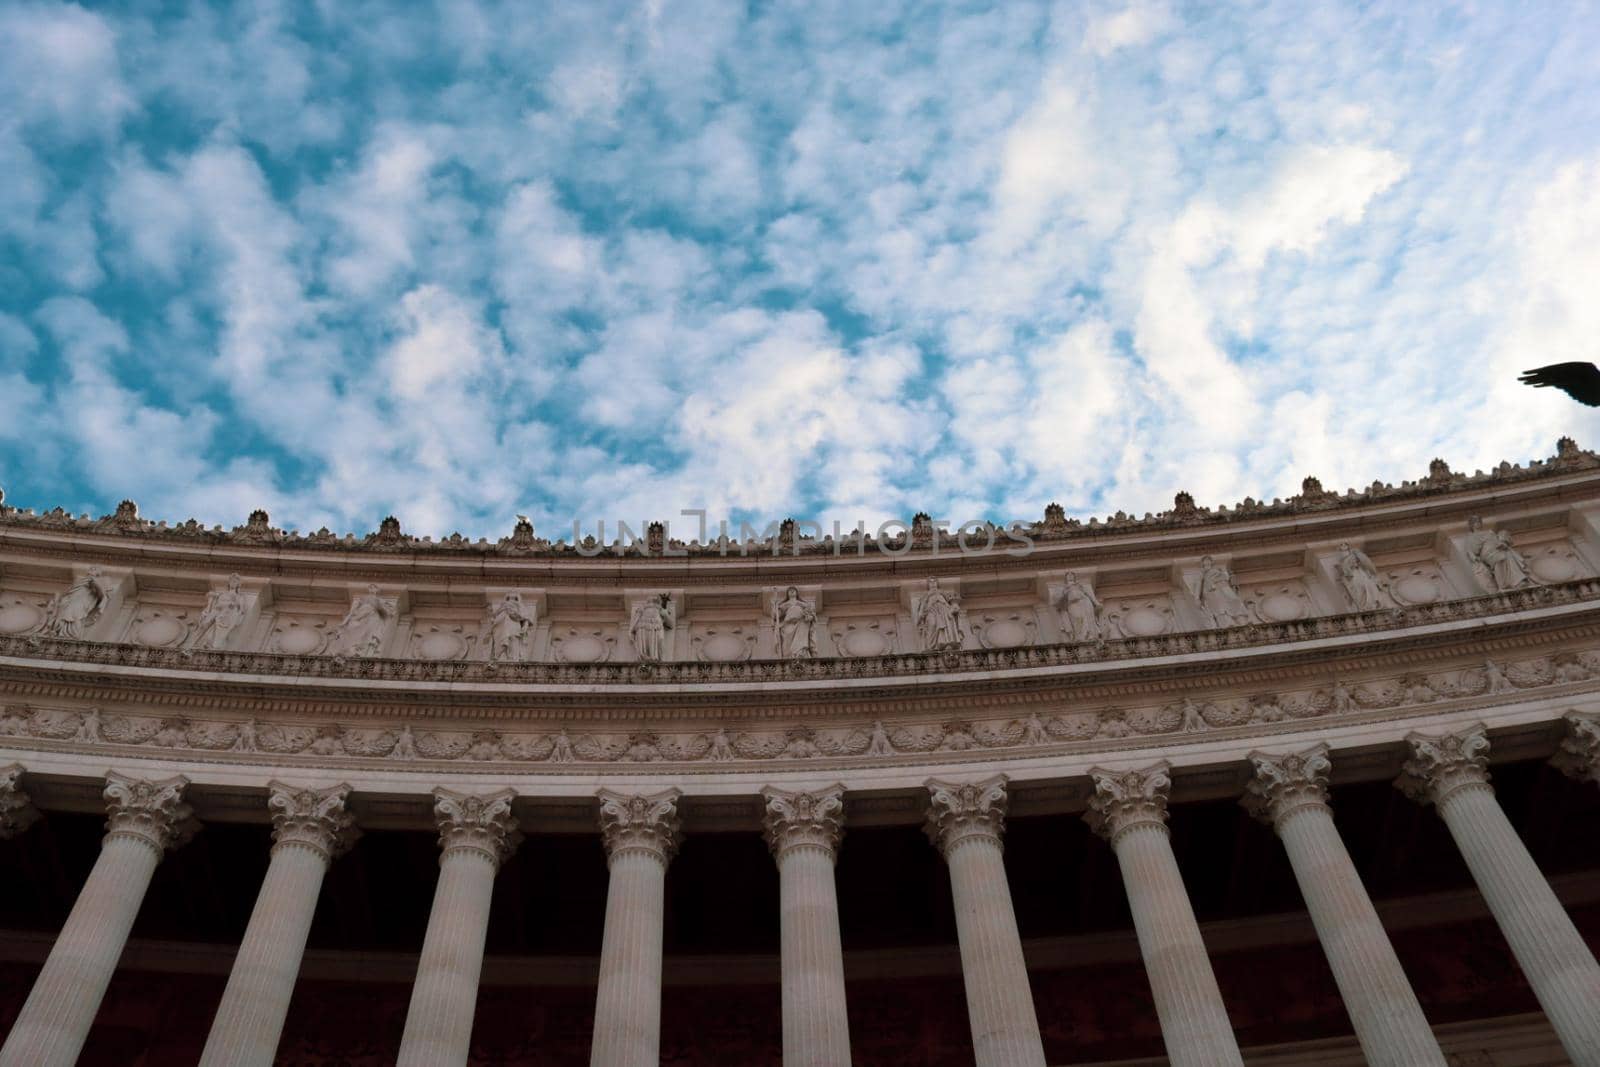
x=464, y=260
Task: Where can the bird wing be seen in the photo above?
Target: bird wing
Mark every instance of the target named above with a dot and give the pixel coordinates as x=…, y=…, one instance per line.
x=1581, y=381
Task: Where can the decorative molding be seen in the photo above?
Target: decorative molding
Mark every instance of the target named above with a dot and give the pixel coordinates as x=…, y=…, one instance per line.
x=152, y=812
x=1441, y=765
x=312, y=818
x=1129, y=800
x=1282, y=785
x=483, y=824
x=640, y=822
x=798, y=820
x=17, y=812
x=959, y=812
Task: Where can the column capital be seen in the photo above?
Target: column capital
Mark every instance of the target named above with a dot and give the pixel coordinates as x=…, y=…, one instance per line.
x=1579, y=754
x=645, y=822
x=149, y=811
x=963, y=811
x=312, y=818
x=480, y=823
x=798, y=819
x=1127, y=800
x=1281, y=785
x=17, y=812
x=1443, y=764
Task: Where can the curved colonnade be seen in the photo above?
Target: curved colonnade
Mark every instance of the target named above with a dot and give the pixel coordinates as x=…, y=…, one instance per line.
x=798, y=689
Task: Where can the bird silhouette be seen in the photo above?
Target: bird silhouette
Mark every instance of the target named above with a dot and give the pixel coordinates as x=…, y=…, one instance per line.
x=1580, y=381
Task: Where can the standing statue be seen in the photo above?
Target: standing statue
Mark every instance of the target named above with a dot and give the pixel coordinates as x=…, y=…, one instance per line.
x=360, y=632
x=1360, y=579
x=652, y=618
x=510, y=630
x=223, y=612
x=1496, y=563
x=1082, y=610
x=72, y=612
x=938, y=619
x=1219, y=597
x=794, y=623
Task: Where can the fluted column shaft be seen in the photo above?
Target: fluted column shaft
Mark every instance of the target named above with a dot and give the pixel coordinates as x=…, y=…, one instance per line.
x=311, y=827
x=475, y=834
x=1129, y=809
x=803, y=830
x=965, y=821
x=147, y=818
x=1451, y=772
x=1290, y=793
x=641, y=834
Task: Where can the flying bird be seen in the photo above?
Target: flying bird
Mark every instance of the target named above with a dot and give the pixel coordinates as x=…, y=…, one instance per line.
x=1580, y=381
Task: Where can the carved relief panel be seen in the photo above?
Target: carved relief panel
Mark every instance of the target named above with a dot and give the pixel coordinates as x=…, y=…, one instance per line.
x=1139, y=603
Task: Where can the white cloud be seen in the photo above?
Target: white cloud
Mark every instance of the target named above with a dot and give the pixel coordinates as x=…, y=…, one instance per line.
x=59, y=69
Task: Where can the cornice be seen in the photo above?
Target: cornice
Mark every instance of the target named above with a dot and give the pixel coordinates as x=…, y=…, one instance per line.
x=259, y=548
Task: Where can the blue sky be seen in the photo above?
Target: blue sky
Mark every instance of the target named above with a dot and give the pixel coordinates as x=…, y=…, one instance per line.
x=463, y=260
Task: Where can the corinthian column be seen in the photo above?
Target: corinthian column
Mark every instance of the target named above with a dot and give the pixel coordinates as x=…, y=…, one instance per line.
x=803, y=831
x=1290, y=794
x=1579, y=754
x=17, y=812
x=641, y=834
x=965, y=821
x=146, y=819
x=309, y=828
x=1129, y=809
x=475, y=834
x=1451, y=772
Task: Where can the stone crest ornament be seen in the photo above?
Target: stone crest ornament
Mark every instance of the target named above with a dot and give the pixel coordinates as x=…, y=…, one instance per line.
x=1360, y=580
x=1579, y=754
x=362, y=630
x=1080, y=610
x=1282, y=785
x=959, y=811
x=224, y=611
x=150, y=811
x=640, y=822
x=73, y=611
x=484, y=824
x=937, y=615
x=1128, y=800
x=1219, y=598
x=794, y=625
x=17, y=812
x=1495, y=561
x=510, y=630
x=1441, y=765
x=312, y=818
x=795, y=820
x=652, y=619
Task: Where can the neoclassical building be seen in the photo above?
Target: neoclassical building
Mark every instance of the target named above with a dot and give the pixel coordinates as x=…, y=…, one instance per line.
x=1304, y=782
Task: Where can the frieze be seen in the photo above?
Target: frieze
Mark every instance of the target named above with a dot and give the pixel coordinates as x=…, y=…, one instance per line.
x=390, y=538
x=1195, y=716
x=582, y=656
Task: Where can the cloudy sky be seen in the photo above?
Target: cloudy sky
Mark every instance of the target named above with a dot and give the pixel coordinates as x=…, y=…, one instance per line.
x=834, y=261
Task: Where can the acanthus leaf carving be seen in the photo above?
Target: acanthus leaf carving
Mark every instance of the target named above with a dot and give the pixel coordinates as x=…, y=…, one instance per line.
x=962, y=811
x=804, y=819
x=152, y=812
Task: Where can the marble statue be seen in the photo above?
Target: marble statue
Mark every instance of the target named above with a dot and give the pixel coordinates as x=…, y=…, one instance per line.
x=72, y=612
x=1219, y=597
x=1496, y=563
x=360, y=632
x=794, y=623
x=1359, y=578
x=652, y=618
x=224, y=611
x=510, y=630
x=1081, y=610
x=938, y=619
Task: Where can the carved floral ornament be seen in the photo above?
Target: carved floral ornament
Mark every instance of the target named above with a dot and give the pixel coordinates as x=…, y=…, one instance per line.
x=800, y=819
x=150, y=811
x=640, y=823
x=1282, y=785
x=962, y=811
x=482, y=824
x=1169, y=720
x=1128, y=800
x=17, y=812
x=1444, y=764
x=312, y=818
x=1579, y=752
